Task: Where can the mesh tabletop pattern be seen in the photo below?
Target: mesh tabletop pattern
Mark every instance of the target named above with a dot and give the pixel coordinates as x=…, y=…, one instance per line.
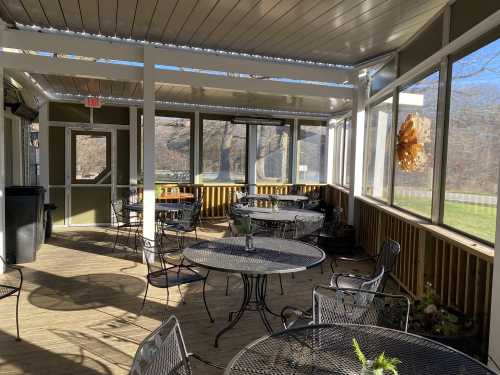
x=327, y=349
x=278, y=197
x=159, y=207
x=271, y=255
x=283, y=214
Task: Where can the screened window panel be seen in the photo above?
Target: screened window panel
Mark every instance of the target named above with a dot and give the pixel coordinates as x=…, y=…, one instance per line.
x=378, y=149
x=172, y=149
x=273, y=154
x=347, y=153
x=224, y=151
x=413, y=185
x=473, y=143
x=312, y=154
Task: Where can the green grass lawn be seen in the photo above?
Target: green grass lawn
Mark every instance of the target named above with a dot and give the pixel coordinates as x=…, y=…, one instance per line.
x=477, y=220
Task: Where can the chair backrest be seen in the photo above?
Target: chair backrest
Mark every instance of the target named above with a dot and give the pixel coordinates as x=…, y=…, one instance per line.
x=387, y=258
x=154, y=253
x=302, y=228
x=341, y=305
x=118, y=207
x=162, y=352
x=369, y=285
x=241, y=225
x=239, y=195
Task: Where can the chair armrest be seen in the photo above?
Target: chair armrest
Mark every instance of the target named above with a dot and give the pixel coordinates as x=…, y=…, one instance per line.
x=335, y=260
x=18, y=269
x=202, y=360
x=336, y=276
x=294, y=310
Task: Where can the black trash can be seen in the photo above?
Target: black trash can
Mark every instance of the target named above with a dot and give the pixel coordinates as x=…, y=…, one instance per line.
x=24, y=222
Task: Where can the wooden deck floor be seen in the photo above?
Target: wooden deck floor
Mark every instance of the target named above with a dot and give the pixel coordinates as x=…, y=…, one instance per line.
x=80, y=302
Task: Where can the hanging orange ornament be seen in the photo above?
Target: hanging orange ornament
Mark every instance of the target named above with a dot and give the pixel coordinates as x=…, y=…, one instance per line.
x=412, y=136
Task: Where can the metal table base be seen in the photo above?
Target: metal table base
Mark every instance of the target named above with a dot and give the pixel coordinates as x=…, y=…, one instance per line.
x=254, y=299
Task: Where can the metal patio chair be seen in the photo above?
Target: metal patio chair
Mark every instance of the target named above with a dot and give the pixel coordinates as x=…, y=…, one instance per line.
x=123, y=221
x=162, y=273
x=313, y=315
x=164, y=352
x=10, y=290
x=386, y=258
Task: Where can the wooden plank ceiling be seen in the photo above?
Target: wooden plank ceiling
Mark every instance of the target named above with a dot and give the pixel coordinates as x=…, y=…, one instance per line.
x=337, y=31
x=188, y=94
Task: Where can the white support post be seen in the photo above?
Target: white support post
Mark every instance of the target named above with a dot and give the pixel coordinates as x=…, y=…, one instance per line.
x=149, y=144
x=252, y=159
x=2, y=173
x=494, y=348
x=133, y=151
x=330, y=151
x=359, y=97
x=43, y=137
x=295, y=151
x=196, y=149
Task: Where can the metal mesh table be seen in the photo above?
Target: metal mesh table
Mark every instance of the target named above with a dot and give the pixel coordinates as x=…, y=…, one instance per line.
x=327, y=349
x=159, y=207
x=278, y=197
x=271, y=256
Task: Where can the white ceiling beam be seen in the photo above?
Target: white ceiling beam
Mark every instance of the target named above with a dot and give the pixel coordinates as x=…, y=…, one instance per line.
x=120, y=50
x=88, y=69
x=251, y=84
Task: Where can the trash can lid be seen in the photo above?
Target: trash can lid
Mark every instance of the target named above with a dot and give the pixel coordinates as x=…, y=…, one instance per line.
x=23, y=190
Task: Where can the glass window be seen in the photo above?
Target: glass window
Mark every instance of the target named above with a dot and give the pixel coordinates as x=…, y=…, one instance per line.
x=273, y=154
x=378, y=149
x=347, y=153
x=474, y=143
x=91, y=157
x=224, y=151
x=338, y=150
x=312, y=154
x=172, y=149
x=417, y=107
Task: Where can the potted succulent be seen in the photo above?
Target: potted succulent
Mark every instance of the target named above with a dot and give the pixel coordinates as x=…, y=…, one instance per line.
x=445, y=324
x=379, y=366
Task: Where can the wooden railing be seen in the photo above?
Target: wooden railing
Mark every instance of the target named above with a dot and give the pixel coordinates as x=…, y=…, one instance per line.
x=459, y=269
x=338, y=197
x=217, y=197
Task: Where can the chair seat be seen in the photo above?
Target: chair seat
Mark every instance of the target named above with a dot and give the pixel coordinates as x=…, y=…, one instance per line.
x=7, y=290
x=349, y=282
x=162, y=279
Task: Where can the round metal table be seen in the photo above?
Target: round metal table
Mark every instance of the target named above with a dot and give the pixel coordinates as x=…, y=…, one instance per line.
x=278, y=197
x=327, y=349
x=159, y=207
x=271, y=256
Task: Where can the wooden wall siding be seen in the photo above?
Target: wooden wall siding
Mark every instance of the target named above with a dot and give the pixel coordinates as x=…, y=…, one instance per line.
x=368, y=228
x=406, y=268
x=337, y=198
x=461, y=275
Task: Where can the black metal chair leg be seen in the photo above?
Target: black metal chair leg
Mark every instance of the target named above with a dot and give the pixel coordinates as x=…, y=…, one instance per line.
x=145, y=295
x=227, y=284
x=205, y=299
x=17, y=316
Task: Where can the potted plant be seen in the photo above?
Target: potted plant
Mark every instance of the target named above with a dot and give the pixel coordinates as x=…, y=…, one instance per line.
x=445, y=324
x=379, y=366
x=274, y=203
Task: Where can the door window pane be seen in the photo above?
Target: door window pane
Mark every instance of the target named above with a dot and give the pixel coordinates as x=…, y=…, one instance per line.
x=91, y=157
x=172, y=149
x=474, y=143
x=224, y=151
x=378, y=149
x=347, y=153
x=312, y=154
x=273, y=154
x=417, y=107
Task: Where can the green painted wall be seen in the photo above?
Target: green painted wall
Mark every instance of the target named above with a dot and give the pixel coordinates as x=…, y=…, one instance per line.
x=57, y=162
x=90, y=205
x=57, y=197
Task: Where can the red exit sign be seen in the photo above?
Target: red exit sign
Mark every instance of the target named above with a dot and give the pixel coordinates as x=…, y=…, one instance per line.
x=93, y=103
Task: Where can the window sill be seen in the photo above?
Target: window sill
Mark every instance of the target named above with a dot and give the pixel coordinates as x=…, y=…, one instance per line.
x=476, y=247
